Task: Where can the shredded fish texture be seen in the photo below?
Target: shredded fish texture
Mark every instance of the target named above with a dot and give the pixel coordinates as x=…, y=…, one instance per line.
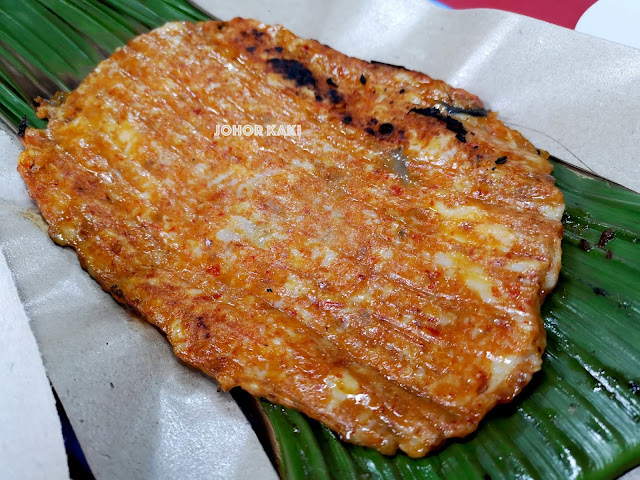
x=382, y=271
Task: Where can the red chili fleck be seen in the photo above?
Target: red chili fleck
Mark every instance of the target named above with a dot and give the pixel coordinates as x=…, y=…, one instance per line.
x=329, y=305
x=434, y=332
x=396, y=190
x=214, y=270
x=514, y=291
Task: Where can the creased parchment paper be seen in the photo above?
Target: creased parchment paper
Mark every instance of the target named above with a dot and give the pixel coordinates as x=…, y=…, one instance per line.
x=31, y=445
x=139, y=412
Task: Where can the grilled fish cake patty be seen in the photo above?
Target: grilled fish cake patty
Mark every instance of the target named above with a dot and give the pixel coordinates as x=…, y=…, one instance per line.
x=382, y=272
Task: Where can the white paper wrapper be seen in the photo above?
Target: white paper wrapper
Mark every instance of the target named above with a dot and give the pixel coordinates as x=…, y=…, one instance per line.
x=139, y=412
x=31, y=445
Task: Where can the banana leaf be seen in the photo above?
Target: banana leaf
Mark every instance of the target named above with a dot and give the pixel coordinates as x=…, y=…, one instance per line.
x=580, y=415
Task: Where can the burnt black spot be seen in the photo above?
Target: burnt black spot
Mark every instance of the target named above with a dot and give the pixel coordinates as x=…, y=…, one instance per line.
x=22, y=127
x=451, y=124
x=475, y=146
x=388, y=64
x=117, y=292
x=474, y=112
x=207, y=335
x=606, y=237
x=278, y=49
x=293, y=70
x=600, y=291
x=251, y=49
x=318, y=98
x=373, y=121
x=584, y=245
x=401, y=90
x=370, y=131
x=221, y=26
x=635, y=388
x=335, y=97
x=385, y=128
x=363, y=79
x=331, y=83
x=347, y=119
x=257, y=33
x=501, y=160
x=269, y=290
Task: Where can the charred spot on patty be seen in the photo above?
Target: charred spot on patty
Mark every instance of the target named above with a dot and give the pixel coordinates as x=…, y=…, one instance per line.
x=451, y=124
x=385, y=128
x=293, y=70
x=400, y=67
x=335, y=97
x=22, y=127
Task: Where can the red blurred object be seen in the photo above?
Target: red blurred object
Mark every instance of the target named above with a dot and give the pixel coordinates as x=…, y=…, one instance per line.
x=565, y=13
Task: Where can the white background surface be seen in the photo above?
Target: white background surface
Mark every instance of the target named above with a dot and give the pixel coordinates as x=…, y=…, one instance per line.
x=615, y=20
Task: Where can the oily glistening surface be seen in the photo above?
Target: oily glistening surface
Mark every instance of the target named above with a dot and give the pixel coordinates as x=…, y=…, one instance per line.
x=382, y=271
